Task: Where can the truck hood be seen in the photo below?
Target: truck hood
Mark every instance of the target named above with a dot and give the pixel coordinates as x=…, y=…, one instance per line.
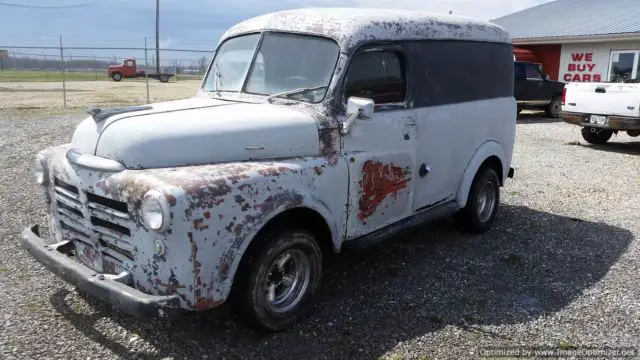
x=198, y=131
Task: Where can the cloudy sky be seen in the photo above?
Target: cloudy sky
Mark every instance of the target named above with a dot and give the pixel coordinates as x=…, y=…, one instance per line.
x=190, y=24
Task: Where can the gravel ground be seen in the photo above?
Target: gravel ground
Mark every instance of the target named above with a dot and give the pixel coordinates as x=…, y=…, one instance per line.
x=561, y=268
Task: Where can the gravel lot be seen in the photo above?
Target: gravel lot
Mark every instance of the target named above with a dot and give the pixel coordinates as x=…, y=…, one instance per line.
x=560, y=268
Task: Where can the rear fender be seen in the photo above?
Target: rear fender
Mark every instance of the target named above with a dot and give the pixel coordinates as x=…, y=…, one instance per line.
x=485, y=151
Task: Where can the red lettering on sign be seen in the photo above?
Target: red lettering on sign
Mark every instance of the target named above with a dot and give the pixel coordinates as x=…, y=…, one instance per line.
x=579, y=64
x=577, y=56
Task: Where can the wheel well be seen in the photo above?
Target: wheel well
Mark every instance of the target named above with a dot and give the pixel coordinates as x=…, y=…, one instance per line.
x=300, y=217
x=494, y=163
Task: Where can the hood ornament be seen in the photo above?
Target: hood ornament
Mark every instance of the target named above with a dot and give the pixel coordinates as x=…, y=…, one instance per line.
x=101, y=114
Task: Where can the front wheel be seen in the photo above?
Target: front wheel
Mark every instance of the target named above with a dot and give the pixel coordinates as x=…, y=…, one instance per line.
x=554, y=108
x=482, y=205
x=595, y=135
x=277, y=282
x=116, y=76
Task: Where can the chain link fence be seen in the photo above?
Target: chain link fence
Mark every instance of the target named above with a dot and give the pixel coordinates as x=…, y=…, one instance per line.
x=59, y=76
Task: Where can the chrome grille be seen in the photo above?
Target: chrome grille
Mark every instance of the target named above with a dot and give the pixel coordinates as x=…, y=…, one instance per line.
x=100, y=218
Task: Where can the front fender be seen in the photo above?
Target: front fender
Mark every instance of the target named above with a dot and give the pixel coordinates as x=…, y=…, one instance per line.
x=220, y=208
x=485, y=151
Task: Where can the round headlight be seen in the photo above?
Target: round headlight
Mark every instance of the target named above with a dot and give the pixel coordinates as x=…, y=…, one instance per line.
x=155, y=211
x=40, y=170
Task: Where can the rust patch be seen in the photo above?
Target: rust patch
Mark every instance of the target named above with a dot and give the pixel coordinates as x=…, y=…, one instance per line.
x=199, y=224
x=171, y=199
x=171, y=286
x=207, y=215
x=206, y=304
x=379, y=181
x=329, y=144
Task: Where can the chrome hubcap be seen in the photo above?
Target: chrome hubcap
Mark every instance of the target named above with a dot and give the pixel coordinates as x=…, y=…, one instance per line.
x=486, y=201
x=287, y=281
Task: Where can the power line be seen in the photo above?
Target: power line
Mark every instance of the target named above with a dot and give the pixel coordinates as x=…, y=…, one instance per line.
x=52, y=7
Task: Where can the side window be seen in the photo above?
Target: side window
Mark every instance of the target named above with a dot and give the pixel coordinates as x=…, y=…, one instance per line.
x=130, y=63
x=532, y=72
x=377, y=75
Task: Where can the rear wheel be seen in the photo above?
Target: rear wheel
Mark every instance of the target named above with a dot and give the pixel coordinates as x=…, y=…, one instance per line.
x=554, y=108
x=482, y=205
x=277, y=281
x=595, y=135
x=116, y=76
x=164, y=78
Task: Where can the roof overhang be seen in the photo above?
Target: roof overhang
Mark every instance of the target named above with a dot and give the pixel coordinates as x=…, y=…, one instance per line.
x=576, y=39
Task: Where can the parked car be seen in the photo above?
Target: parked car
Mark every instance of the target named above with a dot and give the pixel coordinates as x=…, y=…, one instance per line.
x=129, y=69
x=533, y=89
x=602, y=109
x=351, y=130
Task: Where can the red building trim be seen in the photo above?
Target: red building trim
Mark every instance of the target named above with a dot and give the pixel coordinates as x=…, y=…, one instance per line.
x=546, y=55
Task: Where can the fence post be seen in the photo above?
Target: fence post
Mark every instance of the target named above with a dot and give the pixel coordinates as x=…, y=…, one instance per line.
x=146, y=68
x=95, y=65
x=64, y=85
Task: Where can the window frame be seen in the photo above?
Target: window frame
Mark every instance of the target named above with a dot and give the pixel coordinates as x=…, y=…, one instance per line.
x=634, y=68
x=380, y=47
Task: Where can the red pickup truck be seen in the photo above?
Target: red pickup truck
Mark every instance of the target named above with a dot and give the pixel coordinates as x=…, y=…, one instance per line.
x=128, y=69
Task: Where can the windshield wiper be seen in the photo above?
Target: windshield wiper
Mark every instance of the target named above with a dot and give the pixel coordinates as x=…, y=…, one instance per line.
x=287, y=93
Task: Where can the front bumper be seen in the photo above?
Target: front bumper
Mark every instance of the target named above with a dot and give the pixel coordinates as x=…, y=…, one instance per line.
x=613, y=122
x=109, y=288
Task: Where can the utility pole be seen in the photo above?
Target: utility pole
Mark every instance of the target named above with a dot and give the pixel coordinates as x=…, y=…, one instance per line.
x=157, y=36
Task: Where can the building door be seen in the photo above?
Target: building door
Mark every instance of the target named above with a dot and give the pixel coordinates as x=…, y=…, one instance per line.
x=381, y=151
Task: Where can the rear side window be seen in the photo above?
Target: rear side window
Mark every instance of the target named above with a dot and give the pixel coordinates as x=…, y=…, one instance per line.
x=377, y=75
x=455, y=71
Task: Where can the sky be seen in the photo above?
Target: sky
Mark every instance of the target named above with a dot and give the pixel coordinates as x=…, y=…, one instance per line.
x=184, y=24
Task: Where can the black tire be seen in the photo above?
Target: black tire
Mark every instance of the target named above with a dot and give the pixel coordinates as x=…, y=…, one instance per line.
x=595, y=135
x=250, y=294
x=116, y=76
x=554, y=108
x=473, y=218
x=164, y=78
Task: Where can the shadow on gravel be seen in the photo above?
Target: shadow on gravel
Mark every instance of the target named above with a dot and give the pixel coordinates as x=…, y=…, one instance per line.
x=629, y=148
x=531, y=264
x=538, y=117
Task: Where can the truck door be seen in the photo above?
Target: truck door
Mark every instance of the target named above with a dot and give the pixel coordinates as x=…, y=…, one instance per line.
x=381, y=151
x=129, y=68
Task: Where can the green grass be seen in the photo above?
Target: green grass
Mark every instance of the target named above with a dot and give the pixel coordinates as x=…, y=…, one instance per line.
x=35, y=75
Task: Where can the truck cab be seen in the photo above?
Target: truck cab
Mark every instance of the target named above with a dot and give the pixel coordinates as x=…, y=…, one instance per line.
x=312, y=129
x=127, y=69
x=534, y=90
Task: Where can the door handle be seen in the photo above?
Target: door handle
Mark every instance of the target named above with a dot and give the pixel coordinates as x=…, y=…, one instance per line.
x=424, y=170
x=412, y=122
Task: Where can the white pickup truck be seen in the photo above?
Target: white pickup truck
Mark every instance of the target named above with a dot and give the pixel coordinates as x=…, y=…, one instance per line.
x=602, y=109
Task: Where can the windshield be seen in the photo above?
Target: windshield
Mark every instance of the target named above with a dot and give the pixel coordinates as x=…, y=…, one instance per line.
x=282, y=63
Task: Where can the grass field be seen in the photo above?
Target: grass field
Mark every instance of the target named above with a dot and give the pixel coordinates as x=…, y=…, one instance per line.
x=81, y=94
x=37, y=75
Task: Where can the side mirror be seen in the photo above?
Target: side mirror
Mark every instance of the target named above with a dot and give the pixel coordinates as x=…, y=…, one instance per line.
x=547, y=77
x=357, y=109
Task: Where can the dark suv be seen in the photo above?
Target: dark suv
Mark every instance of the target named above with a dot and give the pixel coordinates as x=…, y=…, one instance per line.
x=534, y=90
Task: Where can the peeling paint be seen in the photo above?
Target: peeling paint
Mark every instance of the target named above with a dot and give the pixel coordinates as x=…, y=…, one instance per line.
x=379, y=181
